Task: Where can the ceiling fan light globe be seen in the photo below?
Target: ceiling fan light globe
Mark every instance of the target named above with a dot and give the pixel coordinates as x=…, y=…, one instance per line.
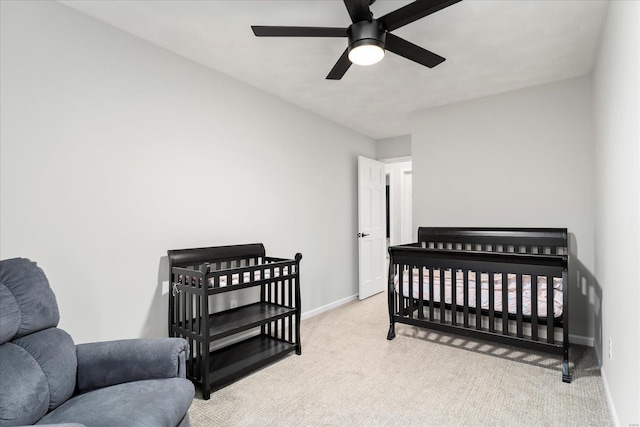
x=366, y=54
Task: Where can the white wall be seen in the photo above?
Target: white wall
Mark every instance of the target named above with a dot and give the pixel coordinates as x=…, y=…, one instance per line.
x=114, y=151
x=397, y=146
x=517, y=159
x=616, y=87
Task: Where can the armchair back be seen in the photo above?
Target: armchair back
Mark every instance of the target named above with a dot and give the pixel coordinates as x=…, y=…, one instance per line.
x=39, y=362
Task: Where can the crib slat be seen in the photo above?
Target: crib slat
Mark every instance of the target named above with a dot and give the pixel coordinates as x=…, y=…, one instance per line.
x=534, y=307
x=454, y=297
x=400, y=275
x=443, y=300
x=431, y=293
x=465, y=296
x=421, y=293
x=505, y=304
x=411, y=292
x=492, y=287
x=478, y=284
x=550, y=300
x=519, y=331
x=400, y=290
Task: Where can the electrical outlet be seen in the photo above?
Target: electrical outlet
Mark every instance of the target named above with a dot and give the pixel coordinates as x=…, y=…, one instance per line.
x=610, y=349
x=233, y=303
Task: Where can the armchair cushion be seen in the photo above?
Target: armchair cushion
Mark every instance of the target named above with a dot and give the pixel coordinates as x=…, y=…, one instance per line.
x=153, y=403
x=25, y=309
x=38, y=374
x=24, y=399
x=108, y=363
x=54, y=351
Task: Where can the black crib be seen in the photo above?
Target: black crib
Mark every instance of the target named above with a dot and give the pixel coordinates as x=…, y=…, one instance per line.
x=500, y=259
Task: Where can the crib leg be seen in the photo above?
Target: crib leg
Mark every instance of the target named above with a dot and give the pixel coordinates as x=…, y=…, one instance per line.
x=566, y=375
x=392, y=332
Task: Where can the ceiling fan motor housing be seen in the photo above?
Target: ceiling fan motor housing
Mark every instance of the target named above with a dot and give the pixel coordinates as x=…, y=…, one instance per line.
x=366, y=33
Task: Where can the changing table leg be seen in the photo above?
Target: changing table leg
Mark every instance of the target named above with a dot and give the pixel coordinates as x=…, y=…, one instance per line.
x=206, y=393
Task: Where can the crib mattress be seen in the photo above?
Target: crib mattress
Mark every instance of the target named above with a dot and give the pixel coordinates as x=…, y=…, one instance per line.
x=484, y=293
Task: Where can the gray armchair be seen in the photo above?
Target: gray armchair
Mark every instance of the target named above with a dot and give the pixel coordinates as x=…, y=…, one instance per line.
x=46, y=379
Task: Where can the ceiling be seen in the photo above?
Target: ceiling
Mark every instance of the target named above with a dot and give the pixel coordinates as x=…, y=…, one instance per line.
x=490, y=47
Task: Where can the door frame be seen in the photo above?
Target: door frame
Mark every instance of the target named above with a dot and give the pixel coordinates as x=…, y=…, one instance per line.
x=400, y=203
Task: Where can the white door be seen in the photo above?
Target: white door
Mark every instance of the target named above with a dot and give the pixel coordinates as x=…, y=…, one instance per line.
x=371, y=227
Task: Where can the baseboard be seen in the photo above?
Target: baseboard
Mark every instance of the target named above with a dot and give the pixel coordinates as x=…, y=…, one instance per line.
x=328, y=307
x=582, y=340
x=607, y=392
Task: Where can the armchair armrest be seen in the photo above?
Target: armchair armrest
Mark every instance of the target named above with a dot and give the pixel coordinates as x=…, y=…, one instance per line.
x=108, y=363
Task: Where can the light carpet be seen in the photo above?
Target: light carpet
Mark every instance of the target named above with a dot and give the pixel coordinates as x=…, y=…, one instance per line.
x=349, y=374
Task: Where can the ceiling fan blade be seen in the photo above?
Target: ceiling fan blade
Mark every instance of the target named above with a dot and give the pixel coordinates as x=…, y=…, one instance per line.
x=270, y=31
x=410, y=51
x=358, y=10
x=341, y=67
x=412, y=12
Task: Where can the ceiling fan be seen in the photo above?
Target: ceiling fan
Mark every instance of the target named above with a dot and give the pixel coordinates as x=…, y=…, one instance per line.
x=369, y=37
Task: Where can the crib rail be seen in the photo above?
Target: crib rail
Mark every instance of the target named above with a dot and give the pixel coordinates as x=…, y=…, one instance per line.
x=551, y=241
x=414, y=266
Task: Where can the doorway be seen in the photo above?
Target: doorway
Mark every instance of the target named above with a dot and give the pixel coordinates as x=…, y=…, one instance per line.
x=399, y=201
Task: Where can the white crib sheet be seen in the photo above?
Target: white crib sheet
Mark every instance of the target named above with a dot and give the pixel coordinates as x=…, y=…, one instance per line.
x=484, y=293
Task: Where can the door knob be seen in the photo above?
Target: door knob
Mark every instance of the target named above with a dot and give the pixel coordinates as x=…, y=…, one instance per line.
x=362, y=234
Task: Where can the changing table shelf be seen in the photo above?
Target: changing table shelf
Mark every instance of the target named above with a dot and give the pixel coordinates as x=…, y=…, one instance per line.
x=236, y=360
